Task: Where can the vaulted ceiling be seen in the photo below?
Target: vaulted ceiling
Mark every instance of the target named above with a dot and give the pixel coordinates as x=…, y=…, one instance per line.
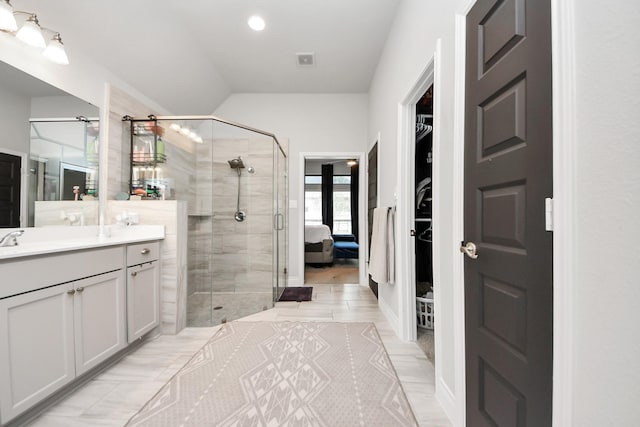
x=190, y=55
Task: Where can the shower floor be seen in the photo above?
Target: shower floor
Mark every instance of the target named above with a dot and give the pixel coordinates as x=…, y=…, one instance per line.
x=234, y=306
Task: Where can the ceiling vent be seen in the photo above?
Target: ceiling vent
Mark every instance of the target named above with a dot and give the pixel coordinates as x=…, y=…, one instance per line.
x=306, y=59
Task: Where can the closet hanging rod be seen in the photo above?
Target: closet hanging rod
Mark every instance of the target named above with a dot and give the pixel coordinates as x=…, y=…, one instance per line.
x=423, y=219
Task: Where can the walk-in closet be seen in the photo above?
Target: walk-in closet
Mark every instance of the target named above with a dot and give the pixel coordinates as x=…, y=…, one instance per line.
x=424, y=224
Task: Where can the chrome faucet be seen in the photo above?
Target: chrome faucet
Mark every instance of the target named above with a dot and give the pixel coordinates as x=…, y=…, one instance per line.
x=11, y=239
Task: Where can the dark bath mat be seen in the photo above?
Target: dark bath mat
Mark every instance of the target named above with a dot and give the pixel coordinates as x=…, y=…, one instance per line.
x=297, y=293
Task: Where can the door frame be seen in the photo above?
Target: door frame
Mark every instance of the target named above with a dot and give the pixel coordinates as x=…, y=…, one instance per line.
x=361, y=156
x=405, y=214
x=405, y=203
x=564, y=209
x=24, y=182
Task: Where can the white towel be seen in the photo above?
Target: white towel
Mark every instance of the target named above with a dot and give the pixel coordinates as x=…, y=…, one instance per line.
x=382, y=258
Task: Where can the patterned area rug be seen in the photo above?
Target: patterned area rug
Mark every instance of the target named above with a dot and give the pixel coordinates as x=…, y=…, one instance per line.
x=284, y=374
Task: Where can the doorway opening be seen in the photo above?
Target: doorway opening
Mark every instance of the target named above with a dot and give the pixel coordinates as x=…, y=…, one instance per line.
x=332, y=243
x=423, y=184
x=12, y=184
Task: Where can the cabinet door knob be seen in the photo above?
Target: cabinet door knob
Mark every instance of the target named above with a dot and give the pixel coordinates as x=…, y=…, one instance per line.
x=134, y=274
x=80, y=289
x=71, y=291
x=145, y=251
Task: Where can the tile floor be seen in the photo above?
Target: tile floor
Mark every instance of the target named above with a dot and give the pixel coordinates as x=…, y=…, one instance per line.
x=114, y=396
x=232, y=306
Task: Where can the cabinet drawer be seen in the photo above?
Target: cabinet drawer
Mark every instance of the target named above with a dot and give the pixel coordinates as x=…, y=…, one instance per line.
x=142, y=252
x=30, y=273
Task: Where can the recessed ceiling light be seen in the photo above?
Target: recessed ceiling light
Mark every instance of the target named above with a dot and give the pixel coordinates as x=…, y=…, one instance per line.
x=256, y=23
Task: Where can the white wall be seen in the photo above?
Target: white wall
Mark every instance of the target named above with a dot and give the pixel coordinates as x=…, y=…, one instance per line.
x=311, y=123
x=83, y=77
x=61, y=106
x=408, y=51
x=14, y=119
x=607, y=261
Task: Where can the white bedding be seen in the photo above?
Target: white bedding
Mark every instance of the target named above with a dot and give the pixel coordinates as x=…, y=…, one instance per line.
x=316, y=233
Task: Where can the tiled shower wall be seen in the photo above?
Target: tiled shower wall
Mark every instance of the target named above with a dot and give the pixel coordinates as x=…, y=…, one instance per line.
x=225, y=255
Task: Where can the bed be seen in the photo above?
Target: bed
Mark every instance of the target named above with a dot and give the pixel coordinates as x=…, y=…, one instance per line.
x=318, y=244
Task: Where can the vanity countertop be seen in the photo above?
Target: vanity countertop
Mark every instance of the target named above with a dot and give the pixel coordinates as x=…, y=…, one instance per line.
x=48, y=240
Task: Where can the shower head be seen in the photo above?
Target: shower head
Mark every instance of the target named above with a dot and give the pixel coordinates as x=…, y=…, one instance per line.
x=236, y=163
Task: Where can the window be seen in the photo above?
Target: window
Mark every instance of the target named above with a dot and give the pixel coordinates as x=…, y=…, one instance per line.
x=341, y=202
x=312, y=207
x=341, y=212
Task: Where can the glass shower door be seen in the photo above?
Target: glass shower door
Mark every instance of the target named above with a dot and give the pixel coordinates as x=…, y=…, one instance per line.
x=280, y=221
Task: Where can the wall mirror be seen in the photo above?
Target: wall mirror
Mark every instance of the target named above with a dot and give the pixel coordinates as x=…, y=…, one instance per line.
x=52, y=136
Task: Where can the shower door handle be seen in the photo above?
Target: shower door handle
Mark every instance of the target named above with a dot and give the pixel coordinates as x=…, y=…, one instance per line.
x=278, y=222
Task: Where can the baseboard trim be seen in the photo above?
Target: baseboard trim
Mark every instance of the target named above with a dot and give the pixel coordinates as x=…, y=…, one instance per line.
x=390, y=315
x=447, y=400
x=295, y=281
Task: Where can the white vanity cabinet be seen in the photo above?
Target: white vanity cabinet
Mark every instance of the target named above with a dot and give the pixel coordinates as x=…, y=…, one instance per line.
x=68, y=317
x=36, y=347
x=99, y=318
x=143, y=289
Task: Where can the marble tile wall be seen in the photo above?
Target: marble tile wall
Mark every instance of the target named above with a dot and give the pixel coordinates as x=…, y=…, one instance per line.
x=53, y=212
x=179, y=169
x=173, y=268
x=242, y=258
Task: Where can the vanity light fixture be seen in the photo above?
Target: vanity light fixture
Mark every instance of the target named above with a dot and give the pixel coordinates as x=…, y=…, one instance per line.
x=31, y=33
x=256, y=23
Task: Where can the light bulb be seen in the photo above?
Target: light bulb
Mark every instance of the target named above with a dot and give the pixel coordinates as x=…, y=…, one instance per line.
x=31, y=34
x=7, y=20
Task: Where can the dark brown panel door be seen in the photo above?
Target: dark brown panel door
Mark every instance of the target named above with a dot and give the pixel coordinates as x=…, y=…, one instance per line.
x=508, y=175
x=372, y=202
x=9, y=190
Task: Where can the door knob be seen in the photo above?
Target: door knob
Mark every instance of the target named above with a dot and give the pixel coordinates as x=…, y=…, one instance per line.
x=412, y=233
x=469, y=249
